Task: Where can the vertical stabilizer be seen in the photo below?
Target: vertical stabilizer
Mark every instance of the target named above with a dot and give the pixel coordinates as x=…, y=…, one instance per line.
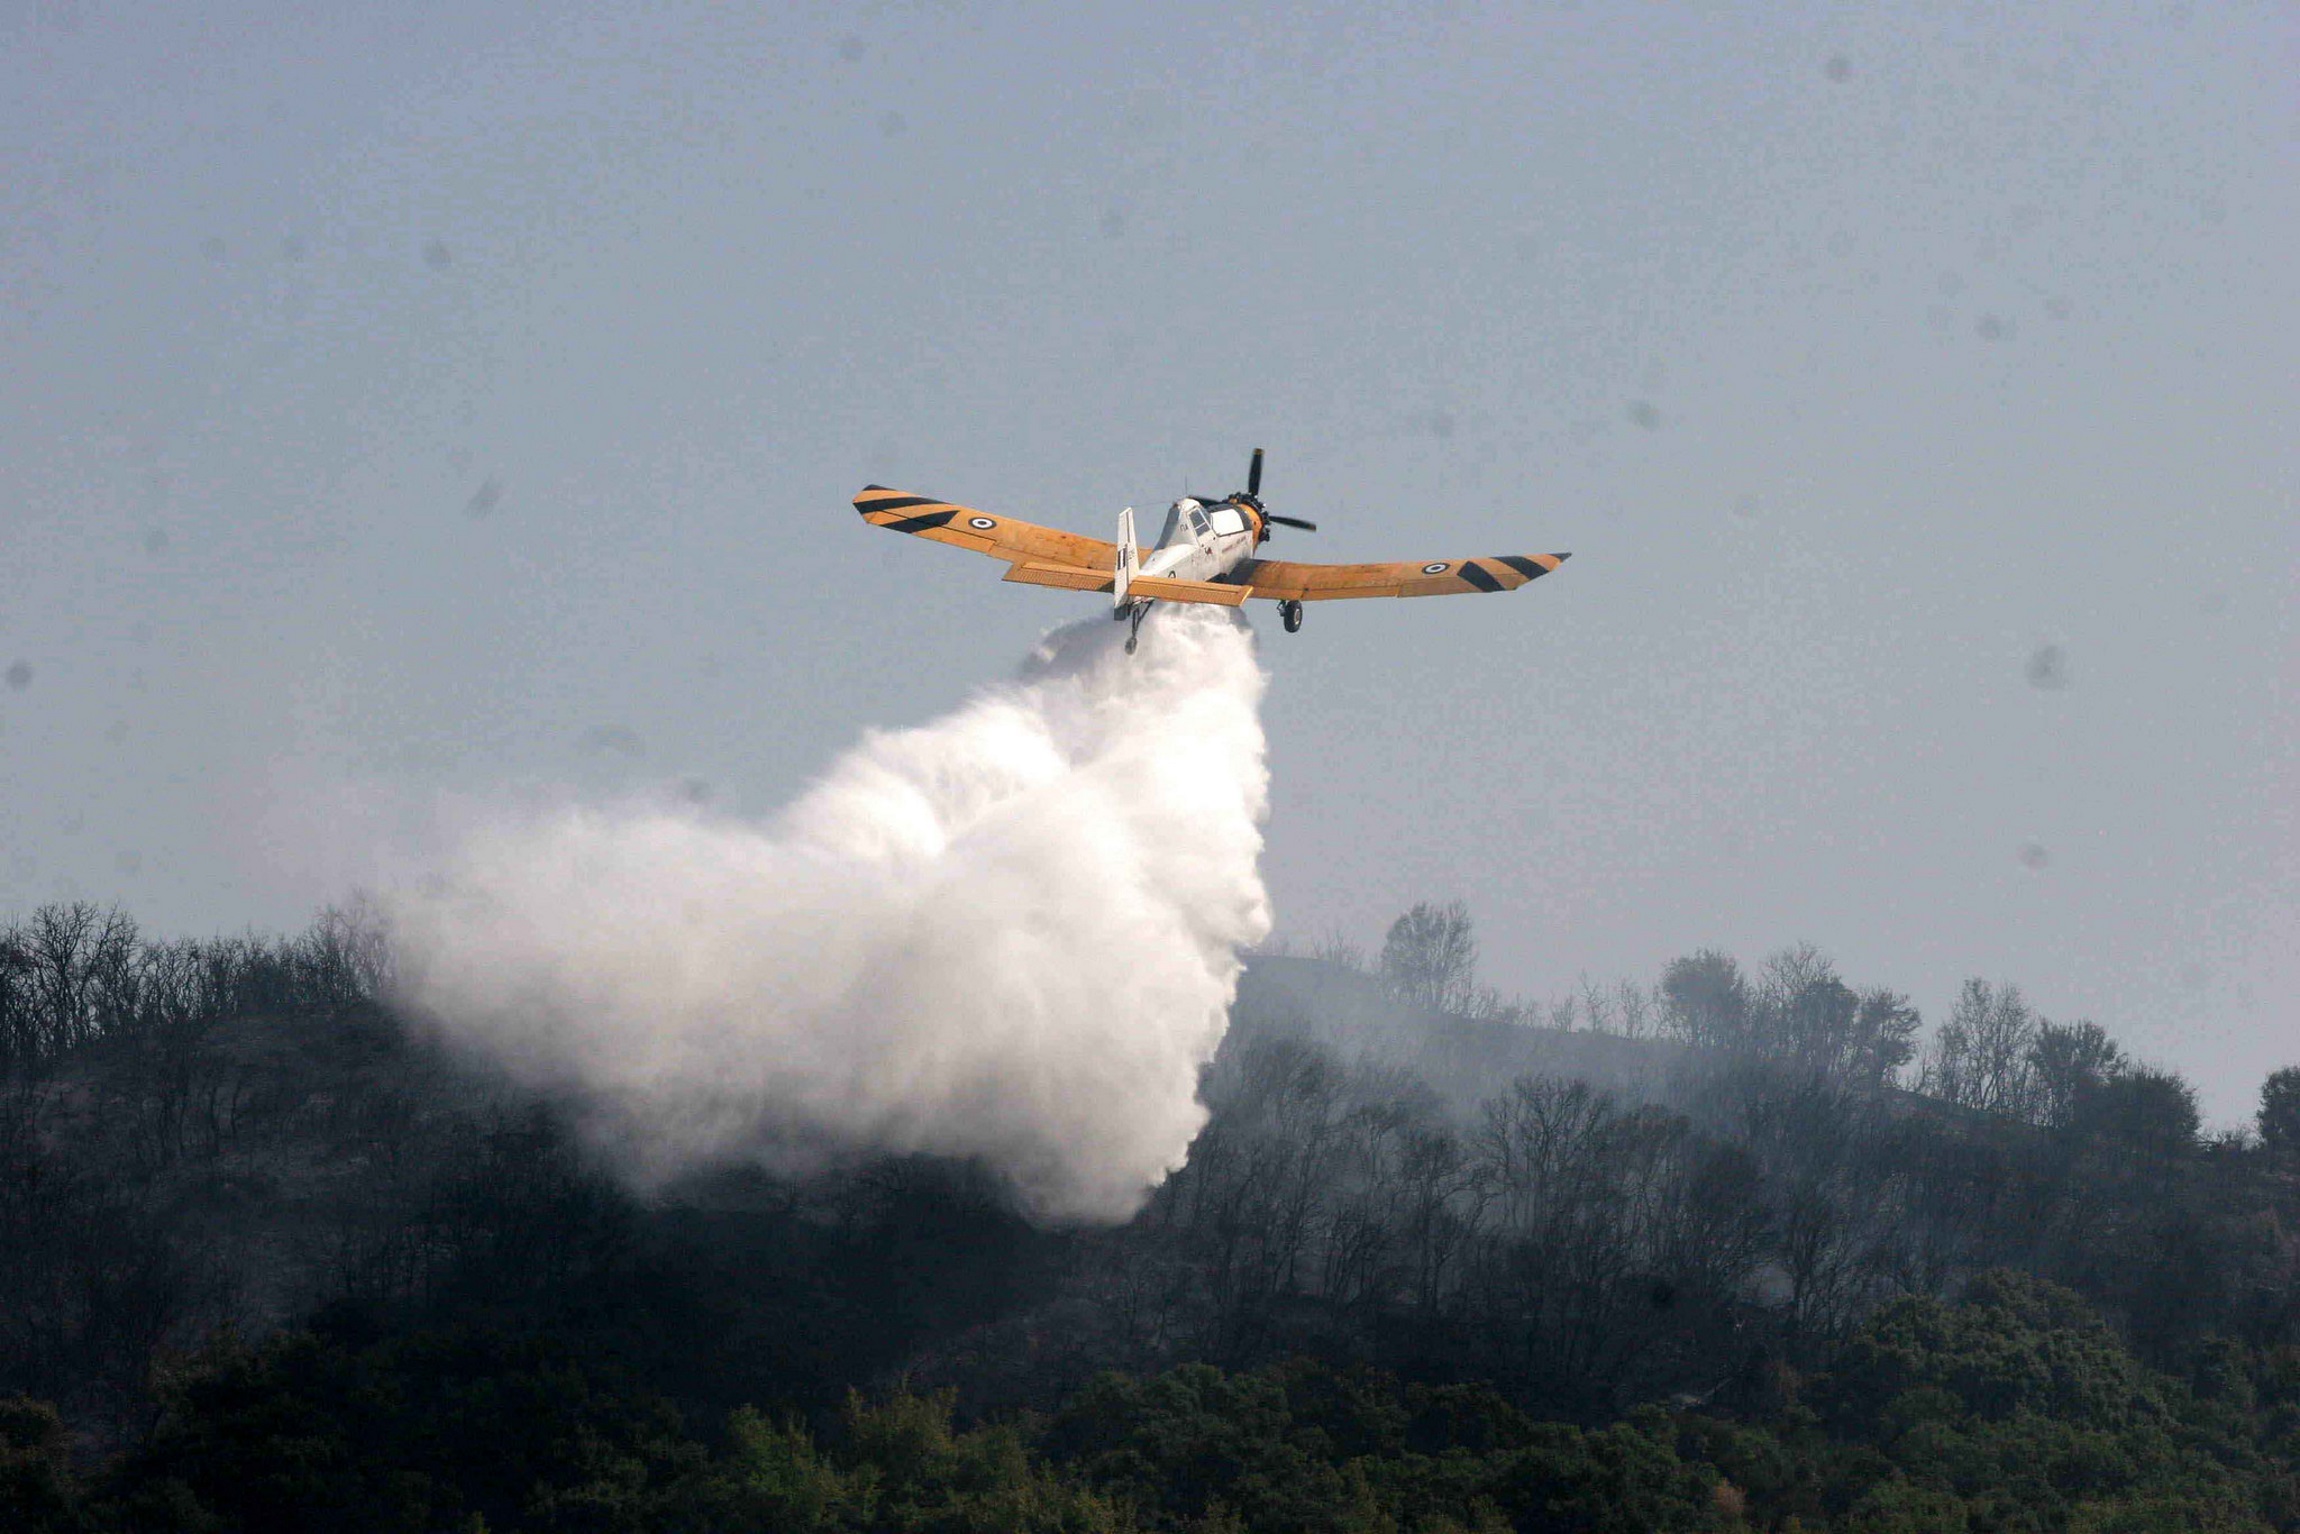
x=1129, y=556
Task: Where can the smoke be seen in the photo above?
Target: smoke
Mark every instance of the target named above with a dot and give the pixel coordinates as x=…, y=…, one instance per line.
x=1009, y=934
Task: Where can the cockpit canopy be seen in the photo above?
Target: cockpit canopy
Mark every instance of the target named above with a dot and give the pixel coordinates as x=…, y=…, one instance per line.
x=1220, y=519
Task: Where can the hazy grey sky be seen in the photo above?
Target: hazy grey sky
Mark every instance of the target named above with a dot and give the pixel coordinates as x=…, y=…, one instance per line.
x=439, y=399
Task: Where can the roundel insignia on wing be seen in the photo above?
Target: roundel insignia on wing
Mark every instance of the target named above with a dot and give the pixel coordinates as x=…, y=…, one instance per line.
x=984, y=523
x=1436, y=569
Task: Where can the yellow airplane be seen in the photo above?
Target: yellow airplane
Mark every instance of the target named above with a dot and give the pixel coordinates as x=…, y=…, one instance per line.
x=1205, y=553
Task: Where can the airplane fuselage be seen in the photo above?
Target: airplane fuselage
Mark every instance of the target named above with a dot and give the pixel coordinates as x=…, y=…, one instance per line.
x=1203, y=541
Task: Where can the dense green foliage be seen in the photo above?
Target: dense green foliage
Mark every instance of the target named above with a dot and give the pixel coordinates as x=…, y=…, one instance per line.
x=2013, y=1408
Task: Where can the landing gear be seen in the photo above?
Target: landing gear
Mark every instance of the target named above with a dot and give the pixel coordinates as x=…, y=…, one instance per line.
x=1290, y=614
x=1140, y=610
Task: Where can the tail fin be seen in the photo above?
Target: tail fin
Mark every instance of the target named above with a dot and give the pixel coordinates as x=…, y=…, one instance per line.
x=1129, y=556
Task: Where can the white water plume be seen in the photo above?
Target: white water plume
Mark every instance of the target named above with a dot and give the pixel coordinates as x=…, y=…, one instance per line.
x=1009, y=934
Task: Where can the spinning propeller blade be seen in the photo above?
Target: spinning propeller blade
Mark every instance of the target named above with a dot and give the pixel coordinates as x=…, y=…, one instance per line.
x=1254, y=494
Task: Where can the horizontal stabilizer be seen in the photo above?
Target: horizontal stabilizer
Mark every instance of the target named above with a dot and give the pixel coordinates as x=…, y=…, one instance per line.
x=1165, y=590
x=1069, y=577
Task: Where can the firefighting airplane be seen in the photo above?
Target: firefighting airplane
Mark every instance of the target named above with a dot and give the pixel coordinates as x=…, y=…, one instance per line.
x=1205, y=553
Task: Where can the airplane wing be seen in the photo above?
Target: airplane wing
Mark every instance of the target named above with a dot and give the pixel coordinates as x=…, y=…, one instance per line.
x=1285, y=580
x=1018, y=542
x=1048, y=556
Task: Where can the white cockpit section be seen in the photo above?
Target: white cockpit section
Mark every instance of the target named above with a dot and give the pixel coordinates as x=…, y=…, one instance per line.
x=1201, y=523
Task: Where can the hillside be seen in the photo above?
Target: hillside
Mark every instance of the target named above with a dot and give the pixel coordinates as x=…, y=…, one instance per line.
x=1707, y=1279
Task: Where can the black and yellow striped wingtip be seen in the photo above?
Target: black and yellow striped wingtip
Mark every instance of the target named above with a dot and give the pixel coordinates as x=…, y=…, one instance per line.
x=1507, y=572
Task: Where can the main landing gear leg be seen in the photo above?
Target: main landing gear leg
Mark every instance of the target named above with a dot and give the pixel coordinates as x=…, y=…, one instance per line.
x=1134, y=634
x=1290, y=614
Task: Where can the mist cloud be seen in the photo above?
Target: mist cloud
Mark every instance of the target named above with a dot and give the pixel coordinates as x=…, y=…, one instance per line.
x=1011, y=933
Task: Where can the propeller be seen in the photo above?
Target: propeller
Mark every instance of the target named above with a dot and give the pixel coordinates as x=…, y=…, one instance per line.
x=1254, y=496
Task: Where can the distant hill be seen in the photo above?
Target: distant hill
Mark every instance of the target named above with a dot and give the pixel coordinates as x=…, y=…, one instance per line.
x=1464, y=1059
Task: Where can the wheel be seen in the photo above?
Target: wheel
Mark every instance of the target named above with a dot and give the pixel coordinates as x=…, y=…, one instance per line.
x=1290, y=614
x=1131, y=641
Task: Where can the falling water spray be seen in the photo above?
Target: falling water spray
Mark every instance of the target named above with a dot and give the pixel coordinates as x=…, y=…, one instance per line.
x=1010, y=934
